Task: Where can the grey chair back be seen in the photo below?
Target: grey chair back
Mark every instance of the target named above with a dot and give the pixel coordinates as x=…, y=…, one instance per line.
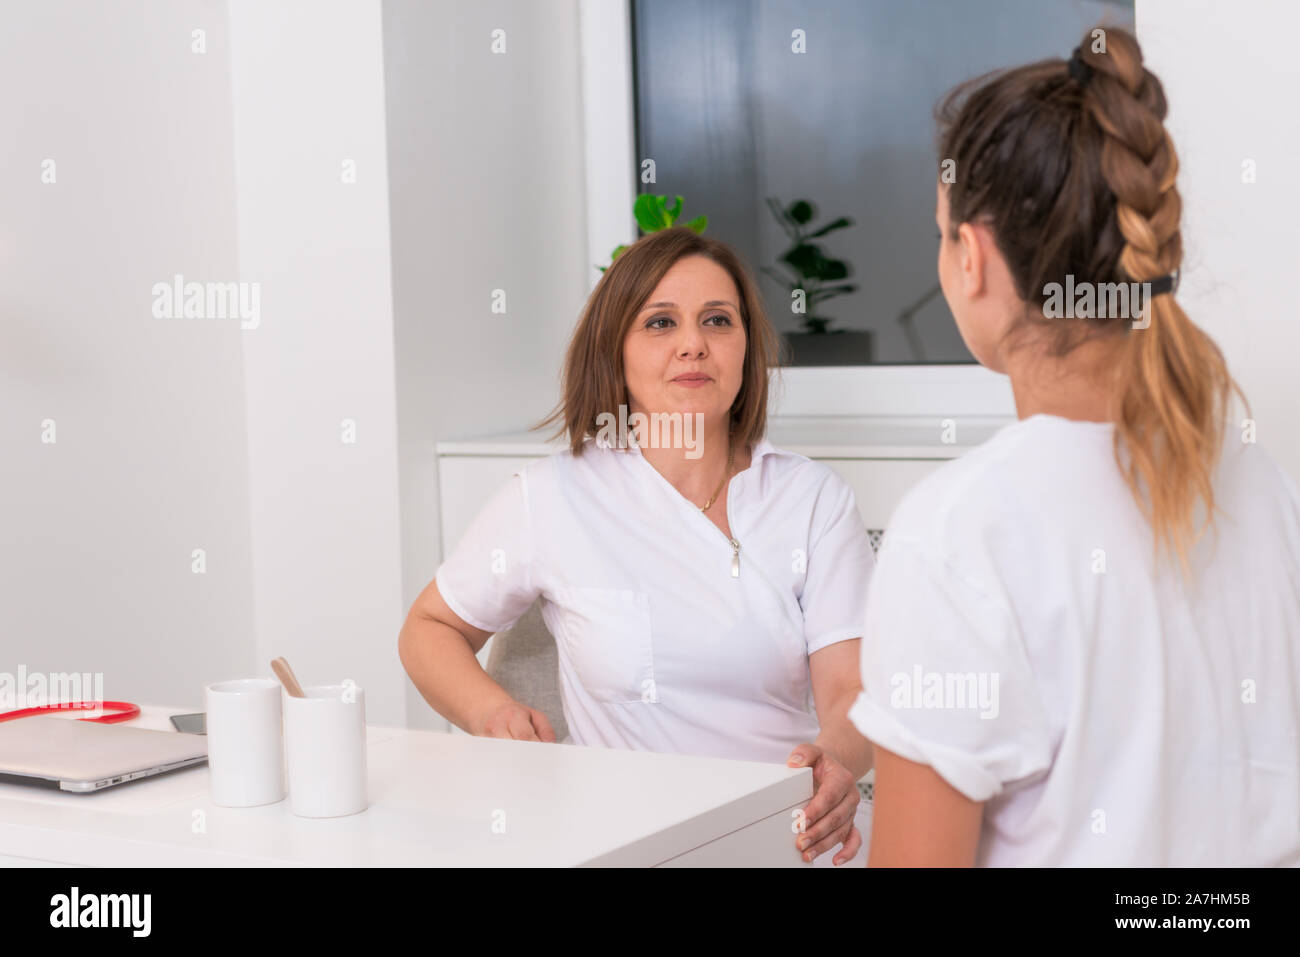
x=524, y=662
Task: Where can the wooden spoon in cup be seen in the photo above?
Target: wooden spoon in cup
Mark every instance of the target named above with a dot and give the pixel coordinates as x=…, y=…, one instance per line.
x=282, y=671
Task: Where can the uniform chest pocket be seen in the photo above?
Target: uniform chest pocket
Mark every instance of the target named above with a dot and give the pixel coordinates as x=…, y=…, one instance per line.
x=605, y=635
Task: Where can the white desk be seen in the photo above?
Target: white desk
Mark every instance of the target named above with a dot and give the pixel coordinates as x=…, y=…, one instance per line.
x=434, y=800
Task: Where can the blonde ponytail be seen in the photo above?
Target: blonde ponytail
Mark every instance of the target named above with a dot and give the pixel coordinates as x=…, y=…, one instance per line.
x=1174, y=388
x=1174, y=385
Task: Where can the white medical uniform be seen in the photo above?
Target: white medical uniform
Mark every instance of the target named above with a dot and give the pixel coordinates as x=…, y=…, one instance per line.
x=669, y=638
x=1137, y=720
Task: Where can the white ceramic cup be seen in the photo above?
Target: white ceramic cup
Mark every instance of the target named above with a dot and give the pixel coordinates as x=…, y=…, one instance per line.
x=245, y=742
x=325, y=744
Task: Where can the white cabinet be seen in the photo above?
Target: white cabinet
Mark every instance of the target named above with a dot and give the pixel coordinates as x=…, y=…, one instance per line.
x=466, y=482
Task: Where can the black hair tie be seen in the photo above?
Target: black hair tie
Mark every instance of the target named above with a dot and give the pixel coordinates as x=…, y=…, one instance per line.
x=1164, y=284
x=1081, y=71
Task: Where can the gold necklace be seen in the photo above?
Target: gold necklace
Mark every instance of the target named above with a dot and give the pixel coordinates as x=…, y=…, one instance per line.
x=730, y=455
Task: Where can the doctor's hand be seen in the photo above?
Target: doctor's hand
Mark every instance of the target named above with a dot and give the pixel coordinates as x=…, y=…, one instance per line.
x=516, y=721
x=829, y=816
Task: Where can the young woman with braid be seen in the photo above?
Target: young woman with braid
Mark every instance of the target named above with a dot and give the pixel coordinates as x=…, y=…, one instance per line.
x=1082, y=641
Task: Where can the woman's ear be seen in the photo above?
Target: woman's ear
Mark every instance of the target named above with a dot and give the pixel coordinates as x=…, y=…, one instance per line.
x=972, y=258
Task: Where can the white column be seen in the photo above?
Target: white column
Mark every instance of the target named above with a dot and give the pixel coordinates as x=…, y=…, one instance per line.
x=319, y=369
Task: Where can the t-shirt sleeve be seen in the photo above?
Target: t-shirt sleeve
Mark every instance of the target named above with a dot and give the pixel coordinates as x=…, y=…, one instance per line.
x=945, y=677
x=489, y=578
x=840, y=563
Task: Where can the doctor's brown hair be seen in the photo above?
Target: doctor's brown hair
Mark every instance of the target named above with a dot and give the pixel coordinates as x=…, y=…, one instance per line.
x=593, y=381
x=1074, y=173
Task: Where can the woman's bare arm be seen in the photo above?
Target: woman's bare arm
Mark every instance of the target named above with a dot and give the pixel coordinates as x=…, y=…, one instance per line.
x=835, y=685
x=919, y=819
x=437, y=649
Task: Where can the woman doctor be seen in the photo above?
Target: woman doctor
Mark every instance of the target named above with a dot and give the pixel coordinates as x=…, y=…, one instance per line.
x=704, y=589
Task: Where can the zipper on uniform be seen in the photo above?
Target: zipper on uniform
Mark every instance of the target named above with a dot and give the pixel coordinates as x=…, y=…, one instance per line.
x=735, y=549
x=735, y=545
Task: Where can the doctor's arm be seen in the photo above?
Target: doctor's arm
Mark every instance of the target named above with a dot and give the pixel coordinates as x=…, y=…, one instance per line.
x=835, y=684
x=437, y=648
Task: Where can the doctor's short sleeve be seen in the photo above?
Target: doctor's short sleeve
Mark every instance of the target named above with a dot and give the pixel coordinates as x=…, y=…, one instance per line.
x=488, y=579
x=946, y=681
x=840, y=563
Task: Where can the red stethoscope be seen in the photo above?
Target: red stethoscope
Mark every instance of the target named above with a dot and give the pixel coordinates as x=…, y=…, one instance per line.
x=124, y=710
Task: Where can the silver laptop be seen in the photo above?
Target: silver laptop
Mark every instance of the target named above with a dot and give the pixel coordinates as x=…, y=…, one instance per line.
x=85, y=756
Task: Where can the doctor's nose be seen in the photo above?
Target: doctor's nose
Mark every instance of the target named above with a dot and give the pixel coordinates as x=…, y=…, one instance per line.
x=692, y=345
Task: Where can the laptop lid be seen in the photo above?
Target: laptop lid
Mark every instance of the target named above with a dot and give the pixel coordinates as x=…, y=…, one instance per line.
x=87, y=756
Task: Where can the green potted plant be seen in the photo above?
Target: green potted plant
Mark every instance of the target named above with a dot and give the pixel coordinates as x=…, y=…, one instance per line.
x=653, y=214
x=819, y=277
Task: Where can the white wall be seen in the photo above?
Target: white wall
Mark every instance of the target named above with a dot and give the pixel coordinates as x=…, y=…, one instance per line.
x=1233, y=81
x=487, y=192
x=149, y=463
x=175, y=434
x=308, y=98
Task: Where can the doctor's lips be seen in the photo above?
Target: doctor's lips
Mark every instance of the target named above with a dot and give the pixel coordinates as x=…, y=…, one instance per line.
x=692, y=380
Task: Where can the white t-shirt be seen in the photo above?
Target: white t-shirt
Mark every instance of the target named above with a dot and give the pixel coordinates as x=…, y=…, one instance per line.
x=660, y=647
x=1134, y=721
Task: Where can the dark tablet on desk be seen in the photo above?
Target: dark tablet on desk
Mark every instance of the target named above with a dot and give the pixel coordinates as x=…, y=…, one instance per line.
x=190, y=723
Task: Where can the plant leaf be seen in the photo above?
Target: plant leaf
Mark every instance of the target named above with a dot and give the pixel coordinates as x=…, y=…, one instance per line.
x=836, y=290
x=806, y=259
x=831, y=227
x=782, y=220
x=801, y=211
x=647, y=210
x=698, y=223
x=833, y=269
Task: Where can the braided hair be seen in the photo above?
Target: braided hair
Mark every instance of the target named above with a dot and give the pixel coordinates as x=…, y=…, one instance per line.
x=1071, y=166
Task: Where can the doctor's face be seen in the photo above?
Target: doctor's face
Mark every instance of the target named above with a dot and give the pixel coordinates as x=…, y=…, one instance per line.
x=685, y=350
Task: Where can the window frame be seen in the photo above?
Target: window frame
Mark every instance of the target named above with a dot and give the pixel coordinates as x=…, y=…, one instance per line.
x=609, y=134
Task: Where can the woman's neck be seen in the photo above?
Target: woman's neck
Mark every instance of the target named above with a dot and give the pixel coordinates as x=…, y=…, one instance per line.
x=1079, y=385
x=696, y=471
